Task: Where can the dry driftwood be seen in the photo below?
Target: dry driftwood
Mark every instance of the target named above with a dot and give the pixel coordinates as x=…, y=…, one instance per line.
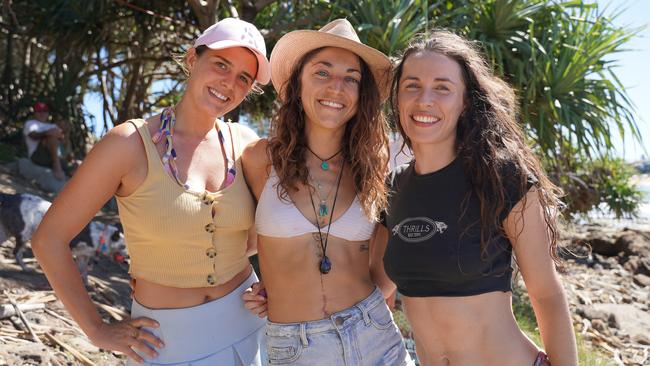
x=7, y=310
x=13, y=261
x=73, y=351
x=116, y=313
x=63, y=319
x=22, y=317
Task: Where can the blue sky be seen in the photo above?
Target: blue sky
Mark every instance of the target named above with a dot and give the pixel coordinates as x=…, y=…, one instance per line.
x=632, y=71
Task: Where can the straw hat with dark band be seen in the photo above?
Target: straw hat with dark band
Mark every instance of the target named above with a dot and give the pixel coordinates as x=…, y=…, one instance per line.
x=337, y=33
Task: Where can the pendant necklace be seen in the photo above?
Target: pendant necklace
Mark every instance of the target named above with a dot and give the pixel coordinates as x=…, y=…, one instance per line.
x=322, y=207
x=325, y=264
x=325, y=165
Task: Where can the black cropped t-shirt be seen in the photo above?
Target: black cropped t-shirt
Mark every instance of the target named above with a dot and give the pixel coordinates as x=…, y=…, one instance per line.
x=433, y=248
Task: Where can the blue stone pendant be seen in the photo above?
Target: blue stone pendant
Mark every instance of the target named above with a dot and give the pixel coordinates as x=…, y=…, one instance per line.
x=325, y=265
x=324, y=165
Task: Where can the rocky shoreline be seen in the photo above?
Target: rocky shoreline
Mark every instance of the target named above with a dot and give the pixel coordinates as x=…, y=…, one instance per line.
x=607, y=281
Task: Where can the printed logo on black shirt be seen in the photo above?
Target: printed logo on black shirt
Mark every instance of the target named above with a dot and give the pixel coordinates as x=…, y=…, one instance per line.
x=417, y=229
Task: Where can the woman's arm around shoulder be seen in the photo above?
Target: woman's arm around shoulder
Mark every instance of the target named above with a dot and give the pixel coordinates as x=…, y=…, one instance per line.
x=256, y=164
x=116, y=159
x=529, y=235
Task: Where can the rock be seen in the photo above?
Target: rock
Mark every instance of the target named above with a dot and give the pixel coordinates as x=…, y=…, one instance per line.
x=627, y=299
x=632, y=264
x=634, y=243
x=630, y=318
x=599, y=325
x=591, y=313
x=611, y=321
x=41, y=176
x=644, y=266
x=642, y=280
x=641, y=339
x=605, y=247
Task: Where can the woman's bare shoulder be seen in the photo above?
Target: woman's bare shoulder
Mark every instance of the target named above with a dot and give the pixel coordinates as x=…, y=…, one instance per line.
x=256, y=153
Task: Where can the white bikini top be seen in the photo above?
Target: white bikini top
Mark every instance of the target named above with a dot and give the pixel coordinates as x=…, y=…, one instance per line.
x=276, y=218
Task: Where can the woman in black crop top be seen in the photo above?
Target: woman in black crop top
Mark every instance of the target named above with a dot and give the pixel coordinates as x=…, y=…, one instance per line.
x=473, y=196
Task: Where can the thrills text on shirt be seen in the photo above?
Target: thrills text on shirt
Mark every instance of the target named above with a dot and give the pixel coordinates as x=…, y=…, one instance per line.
x=418, y=229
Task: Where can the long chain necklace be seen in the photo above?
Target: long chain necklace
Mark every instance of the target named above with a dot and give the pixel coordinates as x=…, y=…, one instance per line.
x=324, y=163
x=166, y=130
x=325, y=265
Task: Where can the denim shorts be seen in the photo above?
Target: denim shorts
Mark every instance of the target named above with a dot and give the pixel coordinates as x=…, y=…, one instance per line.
x=220, y=332
x=362, y=335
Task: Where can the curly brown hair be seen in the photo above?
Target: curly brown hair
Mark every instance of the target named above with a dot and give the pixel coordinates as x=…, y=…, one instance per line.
x=489, y=140
x=365, y=141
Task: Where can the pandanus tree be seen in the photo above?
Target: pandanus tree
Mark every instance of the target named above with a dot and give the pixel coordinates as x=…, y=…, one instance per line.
x=560, y=57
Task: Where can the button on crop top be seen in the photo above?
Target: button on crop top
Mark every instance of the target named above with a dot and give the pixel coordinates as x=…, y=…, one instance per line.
x=432, y=249
x=171, y=236
x=277, y=218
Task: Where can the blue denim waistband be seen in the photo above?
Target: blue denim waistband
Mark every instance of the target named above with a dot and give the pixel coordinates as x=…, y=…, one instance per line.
x=339, y=320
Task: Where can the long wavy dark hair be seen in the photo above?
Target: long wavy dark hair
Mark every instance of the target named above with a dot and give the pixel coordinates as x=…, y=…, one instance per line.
x=365, y=141
x=488, y=140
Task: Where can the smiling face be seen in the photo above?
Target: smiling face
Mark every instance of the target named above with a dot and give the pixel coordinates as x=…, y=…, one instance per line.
x=220, y=79
x=430, y=98
x=329, y=91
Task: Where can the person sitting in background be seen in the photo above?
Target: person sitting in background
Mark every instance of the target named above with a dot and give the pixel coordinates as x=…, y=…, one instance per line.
x=43, y=139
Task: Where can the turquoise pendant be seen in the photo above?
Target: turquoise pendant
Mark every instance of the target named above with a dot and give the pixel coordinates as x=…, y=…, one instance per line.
x=325, y=165
x=322, y=209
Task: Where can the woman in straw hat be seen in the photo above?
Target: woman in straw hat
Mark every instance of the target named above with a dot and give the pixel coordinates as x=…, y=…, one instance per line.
x=186, y=212
x=473, y=196
x=319, y=185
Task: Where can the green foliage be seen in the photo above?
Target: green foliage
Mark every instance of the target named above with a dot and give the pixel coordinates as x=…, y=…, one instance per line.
x=603, y=183
x=386, y=25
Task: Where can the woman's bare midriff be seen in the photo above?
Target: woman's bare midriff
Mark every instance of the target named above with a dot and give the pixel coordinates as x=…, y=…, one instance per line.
x=157, y=296
x=297, y=291
x=468, y=331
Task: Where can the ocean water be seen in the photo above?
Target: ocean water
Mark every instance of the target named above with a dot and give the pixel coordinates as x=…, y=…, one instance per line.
x=642, y=220
x=644, y=211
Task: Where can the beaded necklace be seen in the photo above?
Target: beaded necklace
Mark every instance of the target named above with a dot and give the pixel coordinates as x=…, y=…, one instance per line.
x=166, y=130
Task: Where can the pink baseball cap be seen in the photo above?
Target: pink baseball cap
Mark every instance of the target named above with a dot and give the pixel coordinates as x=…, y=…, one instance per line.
x=232, y=32
x=41, y=107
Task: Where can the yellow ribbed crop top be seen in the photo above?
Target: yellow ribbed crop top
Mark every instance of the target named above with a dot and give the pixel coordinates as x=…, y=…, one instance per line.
x=171, y=236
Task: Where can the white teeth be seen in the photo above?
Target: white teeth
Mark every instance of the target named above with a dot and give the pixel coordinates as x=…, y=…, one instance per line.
x=331, y=104
x=216, y=94
x=425, y=119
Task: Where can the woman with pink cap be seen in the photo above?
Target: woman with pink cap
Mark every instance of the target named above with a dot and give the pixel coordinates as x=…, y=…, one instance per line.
x=186, y=212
